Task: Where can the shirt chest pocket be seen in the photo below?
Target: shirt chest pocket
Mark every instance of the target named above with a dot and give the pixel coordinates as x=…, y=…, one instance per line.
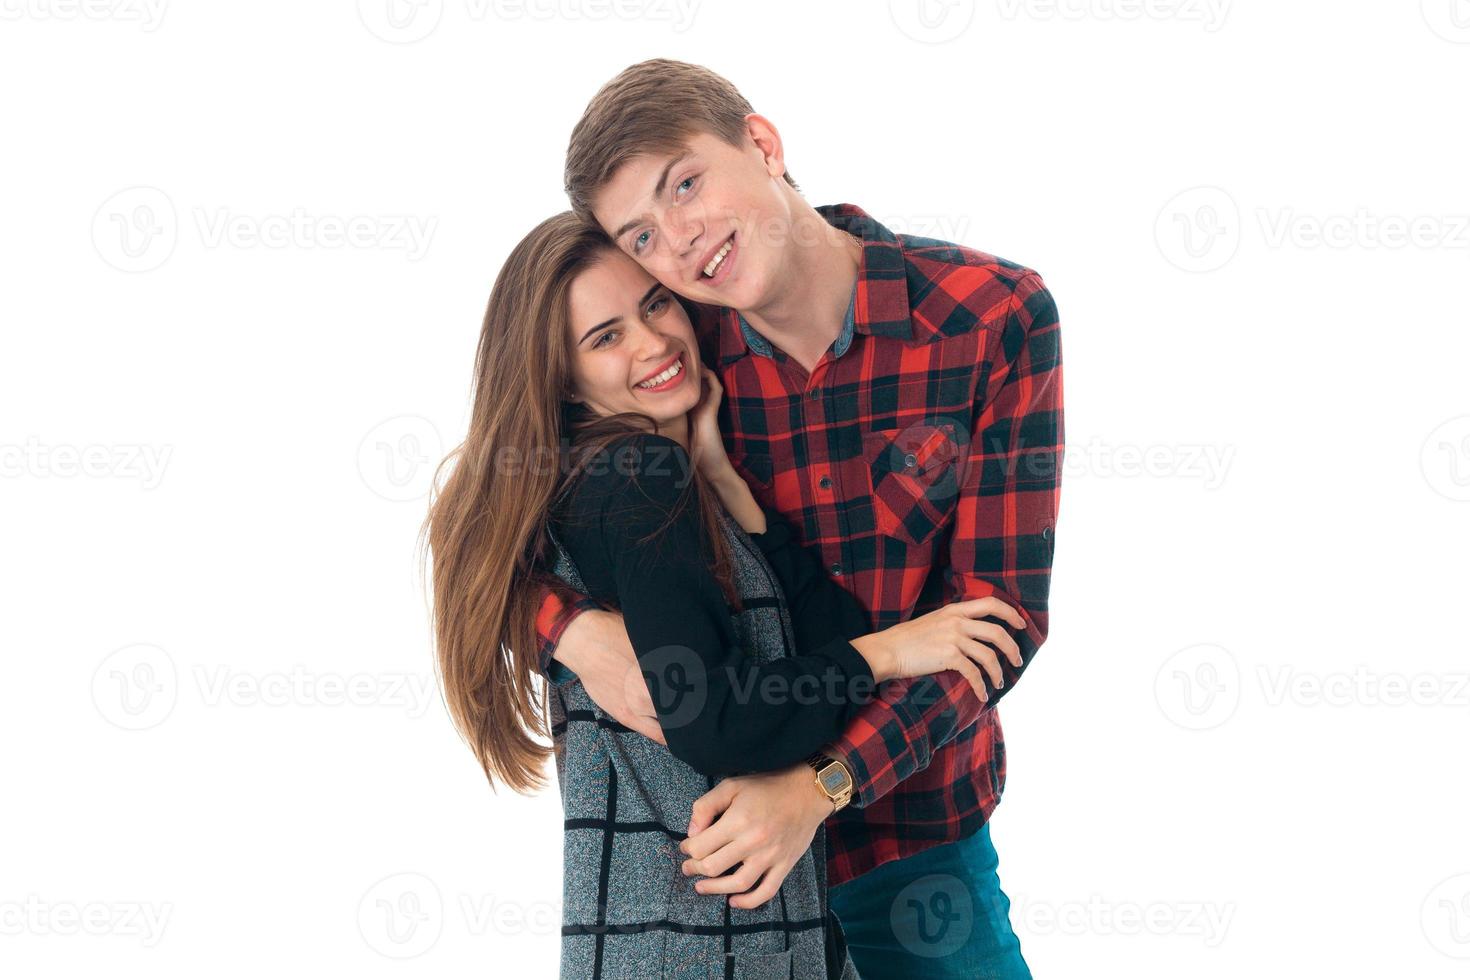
x=915, y=473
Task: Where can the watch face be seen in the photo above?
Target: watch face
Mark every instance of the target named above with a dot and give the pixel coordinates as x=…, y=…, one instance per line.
x=833, y=780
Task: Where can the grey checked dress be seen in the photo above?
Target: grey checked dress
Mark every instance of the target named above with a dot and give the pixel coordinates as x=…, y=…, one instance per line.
x=629, y=911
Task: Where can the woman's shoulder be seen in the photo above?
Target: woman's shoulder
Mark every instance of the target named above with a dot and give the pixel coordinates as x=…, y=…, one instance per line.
x=635, y=483
x=639, y=466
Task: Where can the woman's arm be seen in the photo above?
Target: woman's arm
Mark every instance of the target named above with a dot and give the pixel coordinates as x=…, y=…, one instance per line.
x=721, y=710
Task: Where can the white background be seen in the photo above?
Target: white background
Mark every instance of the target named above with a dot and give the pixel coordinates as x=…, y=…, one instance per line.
x=1241, y=751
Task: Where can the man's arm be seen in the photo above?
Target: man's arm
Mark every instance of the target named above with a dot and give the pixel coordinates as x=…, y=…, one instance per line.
x=558, y=608
x=596, y=648
x=1001, y=545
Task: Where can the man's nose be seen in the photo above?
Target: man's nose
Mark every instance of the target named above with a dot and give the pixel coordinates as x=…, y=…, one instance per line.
x=683, y=232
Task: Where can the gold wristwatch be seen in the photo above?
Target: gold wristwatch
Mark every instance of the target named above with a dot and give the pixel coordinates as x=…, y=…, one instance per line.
x=833, y=780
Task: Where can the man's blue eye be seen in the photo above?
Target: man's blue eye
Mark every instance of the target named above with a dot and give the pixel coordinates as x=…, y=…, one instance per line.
x=686, y=180
x=639, y=242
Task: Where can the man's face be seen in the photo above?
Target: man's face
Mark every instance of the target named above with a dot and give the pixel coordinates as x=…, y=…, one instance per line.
x=711, y=222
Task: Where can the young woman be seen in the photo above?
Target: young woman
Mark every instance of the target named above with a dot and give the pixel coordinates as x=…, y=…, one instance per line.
x=594, y=453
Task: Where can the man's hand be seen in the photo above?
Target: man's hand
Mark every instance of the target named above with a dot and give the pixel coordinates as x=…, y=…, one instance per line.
x=764, y=823
x=595, y=647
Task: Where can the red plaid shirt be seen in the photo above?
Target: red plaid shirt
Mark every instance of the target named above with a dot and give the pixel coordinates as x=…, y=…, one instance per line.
x=921, y=458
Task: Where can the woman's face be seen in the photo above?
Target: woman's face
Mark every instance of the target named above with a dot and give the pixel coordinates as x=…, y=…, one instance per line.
x=628, y=333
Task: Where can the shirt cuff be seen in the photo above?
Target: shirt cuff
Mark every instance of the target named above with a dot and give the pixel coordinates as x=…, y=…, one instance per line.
x=555, y=615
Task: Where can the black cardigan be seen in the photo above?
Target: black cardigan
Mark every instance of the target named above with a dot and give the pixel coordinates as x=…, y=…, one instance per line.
x=754, y=715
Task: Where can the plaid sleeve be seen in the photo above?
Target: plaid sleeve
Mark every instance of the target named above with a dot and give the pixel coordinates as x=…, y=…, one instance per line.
x=558, y=609
x=1001, y=545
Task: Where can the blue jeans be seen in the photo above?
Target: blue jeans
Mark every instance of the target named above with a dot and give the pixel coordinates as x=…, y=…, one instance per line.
x=937, y=914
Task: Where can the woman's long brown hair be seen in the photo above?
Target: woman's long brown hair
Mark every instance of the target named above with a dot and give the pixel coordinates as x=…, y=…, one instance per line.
x=487, y=520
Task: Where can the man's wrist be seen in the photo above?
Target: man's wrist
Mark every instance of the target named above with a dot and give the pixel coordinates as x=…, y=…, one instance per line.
x=575, y=640
x=832, y=779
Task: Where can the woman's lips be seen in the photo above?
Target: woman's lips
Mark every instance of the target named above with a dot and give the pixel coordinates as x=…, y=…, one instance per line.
x=673, y=382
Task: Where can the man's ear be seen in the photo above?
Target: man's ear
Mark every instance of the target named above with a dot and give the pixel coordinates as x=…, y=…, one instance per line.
x=763, y=134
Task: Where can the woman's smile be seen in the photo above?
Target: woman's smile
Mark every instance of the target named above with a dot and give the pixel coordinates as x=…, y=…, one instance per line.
x=666, y=378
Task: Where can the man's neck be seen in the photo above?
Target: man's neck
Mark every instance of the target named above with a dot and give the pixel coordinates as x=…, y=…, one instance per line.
x=814, y=290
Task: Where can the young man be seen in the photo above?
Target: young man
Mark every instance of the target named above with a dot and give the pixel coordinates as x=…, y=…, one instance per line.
x=900, y=400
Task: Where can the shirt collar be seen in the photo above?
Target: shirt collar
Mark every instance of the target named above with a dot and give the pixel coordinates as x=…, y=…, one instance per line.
x=762, y=346
x=880, y=298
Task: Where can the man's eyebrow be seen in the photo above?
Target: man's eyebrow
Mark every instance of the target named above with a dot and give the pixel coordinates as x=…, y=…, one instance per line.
x=609, y=322
x=658, y=189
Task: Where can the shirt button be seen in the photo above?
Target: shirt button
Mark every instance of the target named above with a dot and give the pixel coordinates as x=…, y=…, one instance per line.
x=836, y=568
x=825, y=482
x=814, y=393
x=910, y=460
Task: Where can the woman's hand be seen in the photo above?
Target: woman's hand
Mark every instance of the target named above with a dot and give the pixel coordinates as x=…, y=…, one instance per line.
x=951, y=638
x=707, y=446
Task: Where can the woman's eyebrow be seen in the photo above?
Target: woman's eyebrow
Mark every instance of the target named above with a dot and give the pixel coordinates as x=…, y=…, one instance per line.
x=611, y=320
